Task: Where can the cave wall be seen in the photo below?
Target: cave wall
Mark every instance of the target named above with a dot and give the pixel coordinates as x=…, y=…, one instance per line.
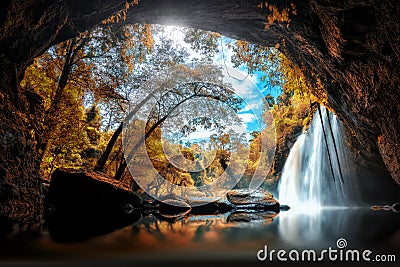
x=349, y=47
x=356, y=57
x=26, y=29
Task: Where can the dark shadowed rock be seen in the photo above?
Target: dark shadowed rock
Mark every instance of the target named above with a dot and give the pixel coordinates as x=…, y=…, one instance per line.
x=171, y=207
x=284, y=207
x=211, y=208
x=80, y=205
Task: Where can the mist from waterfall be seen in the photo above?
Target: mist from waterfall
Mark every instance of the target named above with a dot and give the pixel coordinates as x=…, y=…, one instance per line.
x=307, y=179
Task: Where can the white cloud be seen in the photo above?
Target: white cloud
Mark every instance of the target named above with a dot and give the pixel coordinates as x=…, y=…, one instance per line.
x=247, y=117
x=252, y=106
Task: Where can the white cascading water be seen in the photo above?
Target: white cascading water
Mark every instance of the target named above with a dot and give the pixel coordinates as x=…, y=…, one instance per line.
x=307, y=179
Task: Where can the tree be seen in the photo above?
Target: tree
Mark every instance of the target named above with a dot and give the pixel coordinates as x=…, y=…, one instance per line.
x=202, y=41
x=163, y=56
x=171, y=101
x=90, y=68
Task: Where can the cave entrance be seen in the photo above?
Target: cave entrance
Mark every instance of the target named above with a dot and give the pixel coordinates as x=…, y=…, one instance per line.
x=193, y=97
x=344, y=58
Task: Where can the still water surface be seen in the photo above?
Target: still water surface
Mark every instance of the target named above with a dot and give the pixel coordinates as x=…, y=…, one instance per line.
x=227, y=236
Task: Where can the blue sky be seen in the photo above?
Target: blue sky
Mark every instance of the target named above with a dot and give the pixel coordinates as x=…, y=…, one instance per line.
x=253, y=88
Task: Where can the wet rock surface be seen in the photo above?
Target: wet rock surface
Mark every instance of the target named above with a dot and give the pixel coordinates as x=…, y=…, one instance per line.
x=248, y=196
x=172, y=208
x=248, y=199
x=212, y=208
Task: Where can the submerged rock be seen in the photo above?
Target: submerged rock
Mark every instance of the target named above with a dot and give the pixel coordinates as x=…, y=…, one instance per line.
x=248, y=199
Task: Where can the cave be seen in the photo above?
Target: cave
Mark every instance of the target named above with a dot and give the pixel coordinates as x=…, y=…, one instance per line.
x=349, y=49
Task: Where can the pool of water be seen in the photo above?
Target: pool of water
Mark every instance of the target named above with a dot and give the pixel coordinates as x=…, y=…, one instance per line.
x=231, y=236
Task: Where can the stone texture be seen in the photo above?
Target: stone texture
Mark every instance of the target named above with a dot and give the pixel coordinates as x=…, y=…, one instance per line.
x=172, y=208
x=253, y=200
x=248, y=196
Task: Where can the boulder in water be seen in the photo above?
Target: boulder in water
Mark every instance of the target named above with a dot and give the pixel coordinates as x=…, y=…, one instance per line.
x=248, y=196
x=248, y=199
x=82, y=205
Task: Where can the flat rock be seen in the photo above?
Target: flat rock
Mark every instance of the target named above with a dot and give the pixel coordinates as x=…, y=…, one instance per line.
x=248, y=199
x=248, y=196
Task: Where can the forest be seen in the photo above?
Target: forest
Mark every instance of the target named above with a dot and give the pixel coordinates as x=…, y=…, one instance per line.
x=88, y=83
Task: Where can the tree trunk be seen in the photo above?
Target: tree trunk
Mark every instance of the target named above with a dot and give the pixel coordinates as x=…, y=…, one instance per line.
x=128, y=157
x=101, y=162
x=51, y=118
x=106, y=154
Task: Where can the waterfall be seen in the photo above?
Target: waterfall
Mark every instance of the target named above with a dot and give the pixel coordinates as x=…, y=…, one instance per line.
x=307, y=178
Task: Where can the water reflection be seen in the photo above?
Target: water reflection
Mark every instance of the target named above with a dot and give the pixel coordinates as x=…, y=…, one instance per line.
x=227, y=235
x=249, y=231
x=199, y=230
x=300, y=226
x=322, y=227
